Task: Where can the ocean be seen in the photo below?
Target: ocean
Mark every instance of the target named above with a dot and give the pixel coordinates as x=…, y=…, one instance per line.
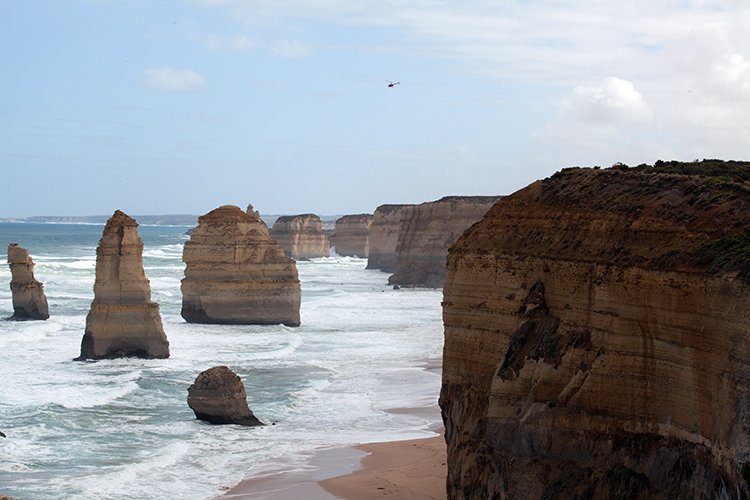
x=121, y=429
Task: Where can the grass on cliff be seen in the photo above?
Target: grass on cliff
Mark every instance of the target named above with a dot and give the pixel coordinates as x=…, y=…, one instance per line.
x=719, y=170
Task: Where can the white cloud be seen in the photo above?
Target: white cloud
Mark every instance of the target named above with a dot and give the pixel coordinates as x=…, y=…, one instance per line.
x=174, y=80
x=614, y=101
x=231, y=42
x=291, y=49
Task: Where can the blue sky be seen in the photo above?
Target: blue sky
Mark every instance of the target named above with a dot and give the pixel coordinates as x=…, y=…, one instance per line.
x=181, y=106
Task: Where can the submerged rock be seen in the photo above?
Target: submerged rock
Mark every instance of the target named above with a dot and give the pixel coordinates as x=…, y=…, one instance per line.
x=123, y=321
x=217, y=396
x=29, y=301
x=301, y=236
x=236, y=274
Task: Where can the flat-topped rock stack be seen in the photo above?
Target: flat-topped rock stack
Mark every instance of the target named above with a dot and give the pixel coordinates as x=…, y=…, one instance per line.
x=122, y=321
x=352, y=235
x=427, y=231
x=384, y=232
x=29, y=301
x=301, y=236
x=596, y=338
x=236, y=274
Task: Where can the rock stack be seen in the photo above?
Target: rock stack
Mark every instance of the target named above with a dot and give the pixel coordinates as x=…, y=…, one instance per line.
x=236, y=274
x=427, y=231
x=29, y=301
x=301, y=236
x=596, y=338
x=352, y=235
x=218, y=396
x=122, y=322
x=384, y=232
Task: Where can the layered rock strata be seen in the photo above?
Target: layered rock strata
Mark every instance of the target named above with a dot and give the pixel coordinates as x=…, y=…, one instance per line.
x=122, y=321
x=427, y=231
x=384, y=232
x=596, y=340
x=29, y=301
x=352, y=235
x=301, y=236
x=236, y=274
x=218, y=396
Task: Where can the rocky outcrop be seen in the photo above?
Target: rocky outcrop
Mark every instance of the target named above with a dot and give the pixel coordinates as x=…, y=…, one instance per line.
x=352, y=235
x=427, y=231
x=596, y=339
x=29, y=301
x=236, y=274
x=123, y=321
x=384, y=232
x=301, y=236
x=218, y=396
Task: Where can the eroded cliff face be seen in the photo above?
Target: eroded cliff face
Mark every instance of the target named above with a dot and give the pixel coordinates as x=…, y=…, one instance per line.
x=301, y=236
x=596, y=341
x=352, y=235
x=427, y=231
x=29, y=301
x=122, y=321
x=236, y=274
x=384, y=231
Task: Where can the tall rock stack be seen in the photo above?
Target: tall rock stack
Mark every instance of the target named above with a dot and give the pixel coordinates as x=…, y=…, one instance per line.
x=384, y=232
x=123, y=321
x=236, y=274
x=596, y=338
x=29, y=301
x=352, y=235
x=426, y=233
x=301, y=236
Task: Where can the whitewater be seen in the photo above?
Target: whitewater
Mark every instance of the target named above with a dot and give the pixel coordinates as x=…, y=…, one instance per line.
x=118, y=429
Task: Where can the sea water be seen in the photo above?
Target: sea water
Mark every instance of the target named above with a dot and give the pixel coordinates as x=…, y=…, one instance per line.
x=122, y=428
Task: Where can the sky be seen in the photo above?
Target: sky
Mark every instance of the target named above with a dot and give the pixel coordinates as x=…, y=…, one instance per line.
x=180, y=106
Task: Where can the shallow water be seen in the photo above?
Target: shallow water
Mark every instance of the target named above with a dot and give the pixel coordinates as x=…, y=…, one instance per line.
x=122, y=428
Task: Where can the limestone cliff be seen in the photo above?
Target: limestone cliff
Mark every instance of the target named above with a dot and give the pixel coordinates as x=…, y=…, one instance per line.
x=236, y=274
x=29, y=301
x=352, y=235
x=426, y=233
x=123, y=321
x=301, y=236
x=596, y=339
x=384, y=231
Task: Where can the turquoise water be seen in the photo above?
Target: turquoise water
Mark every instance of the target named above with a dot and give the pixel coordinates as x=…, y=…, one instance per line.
x=122, y=428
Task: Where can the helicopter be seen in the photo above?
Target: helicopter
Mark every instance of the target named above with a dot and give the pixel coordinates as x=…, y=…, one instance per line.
x=392, y=84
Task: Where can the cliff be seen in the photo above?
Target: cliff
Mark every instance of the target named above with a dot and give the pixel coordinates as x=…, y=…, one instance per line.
x=122, y=321
x=384, y=232
x=236, y=274
x=29, y=301
x=596, y=340
x=301, y=236
x=352, y=235
x=427, y=231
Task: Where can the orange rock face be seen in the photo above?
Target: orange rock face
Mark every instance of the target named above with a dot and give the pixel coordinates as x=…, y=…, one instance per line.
x=596, y=341
x=301, y=236
x=352, y=235
x=29, y=301
x=427, y=231
x=384, y=233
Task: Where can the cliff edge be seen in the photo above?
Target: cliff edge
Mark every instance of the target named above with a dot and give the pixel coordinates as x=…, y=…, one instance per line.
x=596, y=338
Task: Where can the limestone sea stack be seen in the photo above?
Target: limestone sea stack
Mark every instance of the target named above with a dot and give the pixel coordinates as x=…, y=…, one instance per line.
x=218, y=396
x=29, y=301
x=384, y=232
x=427, y=231
x=596, y=338
x=236, y=274
x=123, y=321
x=301, y=236
x=352, y=235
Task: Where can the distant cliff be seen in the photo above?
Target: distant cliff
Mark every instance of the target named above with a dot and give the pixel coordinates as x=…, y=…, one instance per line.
x=352, y=235
x=301, y=236
x=384, y=231
x=596, y=338
x=427, y=231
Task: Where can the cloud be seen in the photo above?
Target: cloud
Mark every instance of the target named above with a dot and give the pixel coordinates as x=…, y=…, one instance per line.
x=174, y=80
x=291, y=49
x=231, y=42
x=614, y=101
